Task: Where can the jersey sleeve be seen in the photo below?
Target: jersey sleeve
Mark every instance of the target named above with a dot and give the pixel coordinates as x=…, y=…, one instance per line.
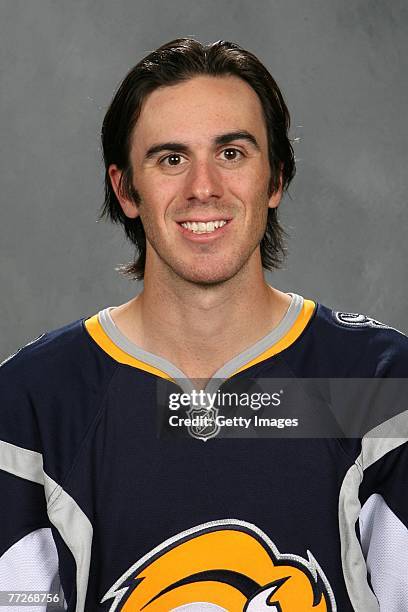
x=28, y=555
x=383, y=520
x=383, y=524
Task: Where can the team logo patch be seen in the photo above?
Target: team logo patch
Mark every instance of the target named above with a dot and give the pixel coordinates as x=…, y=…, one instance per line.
x=222, y=566
x=352, y=319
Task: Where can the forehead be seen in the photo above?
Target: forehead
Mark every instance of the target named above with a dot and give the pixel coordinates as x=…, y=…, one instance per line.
x=199, y=109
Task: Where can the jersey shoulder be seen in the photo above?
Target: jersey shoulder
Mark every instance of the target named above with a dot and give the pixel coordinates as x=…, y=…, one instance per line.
x=53, y=385
x=56, y=354
x=374, y=348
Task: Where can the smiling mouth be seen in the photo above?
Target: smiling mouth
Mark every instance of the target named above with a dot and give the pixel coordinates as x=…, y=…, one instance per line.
x=200, y=227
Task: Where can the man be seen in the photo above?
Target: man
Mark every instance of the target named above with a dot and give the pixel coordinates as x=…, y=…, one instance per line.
x=99, y=486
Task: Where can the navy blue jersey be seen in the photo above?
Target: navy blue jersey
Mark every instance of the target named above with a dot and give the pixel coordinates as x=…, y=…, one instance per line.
x=94, y=498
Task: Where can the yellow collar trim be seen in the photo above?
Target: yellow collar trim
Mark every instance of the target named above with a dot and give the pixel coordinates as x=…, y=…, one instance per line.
x=293, y=334
x=101, y=338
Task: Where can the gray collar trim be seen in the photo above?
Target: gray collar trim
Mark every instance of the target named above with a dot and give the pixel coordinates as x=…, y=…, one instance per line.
x=228, y=368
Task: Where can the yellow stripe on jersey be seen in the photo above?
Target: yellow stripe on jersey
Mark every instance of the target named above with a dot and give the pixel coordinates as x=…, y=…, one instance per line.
x=97, y=332
x=293, y=334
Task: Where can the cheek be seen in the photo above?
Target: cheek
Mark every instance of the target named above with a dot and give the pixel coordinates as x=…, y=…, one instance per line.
x=249, y=184
x=156, y=195
x=255, y=201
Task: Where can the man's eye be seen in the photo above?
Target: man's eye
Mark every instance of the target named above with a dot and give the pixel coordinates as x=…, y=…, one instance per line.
x=232, y=154
x=174, y=159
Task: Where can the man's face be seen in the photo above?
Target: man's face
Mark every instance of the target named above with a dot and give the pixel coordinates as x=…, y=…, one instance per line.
x=199, y=155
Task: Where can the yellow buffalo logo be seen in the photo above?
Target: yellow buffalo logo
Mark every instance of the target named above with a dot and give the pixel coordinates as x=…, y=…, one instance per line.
x=222, y=566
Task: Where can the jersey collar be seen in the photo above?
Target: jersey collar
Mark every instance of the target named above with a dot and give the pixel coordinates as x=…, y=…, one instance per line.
x=107, y=335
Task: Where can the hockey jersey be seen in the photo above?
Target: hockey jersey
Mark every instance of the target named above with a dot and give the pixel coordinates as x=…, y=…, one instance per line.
x=99, y=494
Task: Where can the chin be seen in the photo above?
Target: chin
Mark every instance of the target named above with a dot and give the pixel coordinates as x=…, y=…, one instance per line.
x=208, y=276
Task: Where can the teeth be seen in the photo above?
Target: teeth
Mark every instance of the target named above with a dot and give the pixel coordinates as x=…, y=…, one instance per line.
x=203, y=228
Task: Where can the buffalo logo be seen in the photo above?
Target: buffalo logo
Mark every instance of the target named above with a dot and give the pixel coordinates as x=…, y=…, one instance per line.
x=222, y=566
x=203, y=423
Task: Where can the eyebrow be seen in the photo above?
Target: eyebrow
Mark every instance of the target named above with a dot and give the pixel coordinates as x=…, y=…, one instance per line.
x=222, y=139
x=240, y=135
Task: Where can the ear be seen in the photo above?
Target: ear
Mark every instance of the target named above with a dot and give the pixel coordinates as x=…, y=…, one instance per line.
x=276, y=197
x=129, y=207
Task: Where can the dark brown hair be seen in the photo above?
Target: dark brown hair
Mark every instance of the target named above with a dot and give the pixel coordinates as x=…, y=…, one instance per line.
x=174, y=62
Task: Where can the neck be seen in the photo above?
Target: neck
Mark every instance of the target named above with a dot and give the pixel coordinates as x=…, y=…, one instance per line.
x=199, y=328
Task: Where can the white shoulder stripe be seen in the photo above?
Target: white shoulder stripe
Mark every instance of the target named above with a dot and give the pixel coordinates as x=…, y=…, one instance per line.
x=63, y=511
x=375, y=445
x=21, y=462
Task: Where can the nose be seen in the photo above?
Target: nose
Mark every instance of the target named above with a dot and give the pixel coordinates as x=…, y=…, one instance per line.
x=203, y=182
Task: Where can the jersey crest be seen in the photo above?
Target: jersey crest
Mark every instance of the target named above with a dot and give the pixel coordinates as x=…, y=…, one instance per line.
x=226, y=565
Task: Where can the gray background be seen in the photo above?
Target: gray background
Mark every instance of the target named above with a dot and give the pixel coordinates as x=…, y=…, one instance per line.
x=342, y=68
